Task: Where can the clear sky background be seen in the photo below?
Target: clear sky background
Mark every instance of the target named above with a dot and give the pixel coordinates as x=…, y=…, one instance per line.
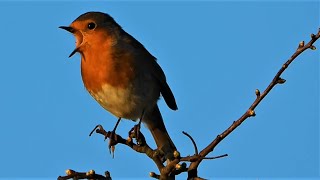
x=214, y=53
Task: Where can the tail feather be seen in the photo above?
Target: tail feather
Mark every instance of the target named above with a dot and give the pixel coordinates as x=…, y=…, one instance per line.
x=154, y=122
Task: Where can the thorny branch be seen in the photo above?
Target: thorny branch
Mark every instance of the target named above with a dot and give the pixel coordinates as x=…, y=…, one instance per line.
x=173, y=168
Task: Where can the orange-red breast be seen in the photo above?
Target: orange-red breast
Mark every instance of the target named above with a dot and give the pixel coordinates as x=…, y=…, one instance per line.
x=120, y=74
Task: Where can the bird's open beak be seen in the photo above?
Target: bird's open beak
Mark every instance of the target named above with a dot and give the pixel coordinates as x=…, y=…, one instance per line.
x=67, y=28
x=71, y=30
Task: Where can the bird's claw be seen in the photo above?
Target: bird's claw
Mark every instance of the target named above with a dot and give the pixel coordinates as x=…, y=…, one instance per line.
x=112, y=138
x=136, y=134
x=112, y=142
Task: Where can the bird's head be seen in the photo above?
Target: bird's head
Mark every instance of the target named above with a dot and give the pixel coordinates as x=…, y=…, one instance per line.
x=91, y=29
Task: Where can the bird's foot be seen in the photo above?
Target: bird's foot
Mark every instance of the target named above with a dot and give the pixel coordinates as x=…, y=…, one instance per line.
x=113, y=140
x=135, y=133
x=111, y=135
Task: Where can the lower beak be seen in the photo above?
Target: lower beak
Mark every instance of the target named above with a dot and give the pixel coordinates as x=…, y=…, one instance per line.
x=67, y=28
x=73, y=52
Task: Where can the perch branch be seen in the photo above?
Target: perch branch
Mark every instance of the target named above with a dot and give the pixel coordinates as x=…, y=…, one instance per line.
x=143, y=147
x=192, y=171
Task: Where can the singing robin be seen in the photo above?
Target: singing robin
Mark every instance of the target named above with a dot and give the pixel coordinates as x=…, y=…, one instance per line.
x=121, y=75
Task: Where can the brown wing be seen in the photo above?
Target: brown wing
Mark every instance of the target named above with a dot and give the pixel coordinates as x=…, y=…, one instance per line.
x=156, y=70
x=164, y=87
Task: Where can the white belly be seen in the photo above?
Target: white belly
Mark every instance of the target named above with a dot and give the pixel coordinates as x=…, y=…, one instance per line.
x=126, y=103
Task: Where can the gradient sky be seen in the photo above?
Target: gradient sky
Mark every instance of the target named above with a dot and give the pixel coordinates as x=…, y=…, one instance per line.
x=214, y=53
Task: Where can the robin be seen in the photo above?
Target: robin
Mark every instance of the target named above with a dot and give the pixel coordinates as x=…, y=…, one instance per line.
x=121, y=75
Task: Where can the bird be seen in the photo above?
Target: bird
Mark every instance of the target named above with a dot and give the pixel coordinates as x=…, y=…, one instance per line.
x=121, y=74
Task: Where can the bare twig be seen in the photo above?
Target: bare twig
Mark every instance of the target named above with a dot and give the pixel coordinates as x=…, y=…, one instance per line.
x=216, y=157
x=154, y=175
x=193, y=142
x=192, y=172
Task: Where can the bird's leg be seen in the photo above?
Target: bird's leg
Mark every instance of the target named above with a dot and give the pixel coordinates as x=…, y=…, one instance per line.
x=115, y=127
x=113, y=137
x=136, y=128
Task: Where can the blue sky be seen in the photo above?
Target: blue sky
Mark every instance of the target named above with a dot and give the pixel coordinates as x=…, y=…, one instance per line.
x=214, y=53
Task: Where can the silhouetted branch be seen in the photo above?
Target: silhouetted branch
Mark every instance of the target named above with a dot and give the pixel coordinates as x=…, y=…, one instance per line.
x=216, y=157
x=71, y=174
x=193, y=142
x=192, y=172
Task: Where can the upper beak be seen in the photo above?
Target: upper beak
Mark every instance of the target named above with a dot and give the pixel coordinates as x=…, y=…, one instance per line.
x=67, y=28
x=71, y=30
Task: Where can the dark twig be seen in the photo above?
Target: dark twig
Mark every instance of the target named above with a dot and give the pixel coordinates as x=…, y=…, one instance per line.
x=193, y=142
x=216, y=157
x=192, y=172
x=71, y=174
x=154, y=175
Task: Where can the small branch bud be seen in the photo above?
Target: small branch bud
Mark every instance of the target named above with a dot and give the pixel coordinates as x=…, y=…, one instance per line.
x=107, y=174
x=129, y=139
x=313, y=47
x=176, y=154
x=301, y=44
x=313, y=36
x=251, y=113
x=90, y=172
x=69, y=172
x=257, y=92
x=184, y=165
x=281, y=81
x=178, y=166
x=181, y=167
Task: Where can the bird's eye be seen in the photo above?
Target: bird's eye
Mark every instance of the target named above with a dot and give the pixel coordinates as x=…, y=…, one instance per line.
x=91, y=25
